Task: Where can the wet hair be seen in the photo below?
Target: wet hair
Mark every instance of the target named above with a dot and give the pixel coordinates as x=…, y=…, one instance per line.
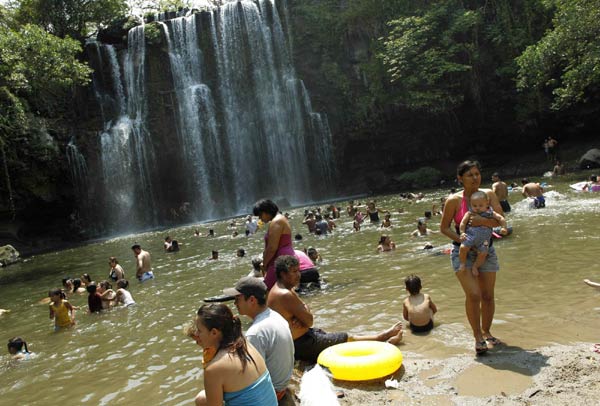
x=247, y=233
x=256, y=263
x=105, y=285
x=524, y=181
x=265, y=206
x=17, y=343
x=213, y=252
x=466, y=166
x=65, y=281
x=122, y=284
x=86, y=278
x=383, y=238
x=283, y=264
x=211, y=231
x=480, y=195
x=413, y=284
x=220, y=317
x=57, y=292
x=113, y=259
x=241, y=252
x=298, y=237
x=91, y=288
x=312, y=252
x=76, y=284
x=427, y=214
x=136, y=246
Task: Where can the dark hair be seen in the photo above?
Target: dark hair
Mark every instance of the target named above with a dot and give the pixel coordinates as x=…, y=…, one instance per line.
x=76, y=284
x=213, y=252
x=261, y=299
x=311, y=251
x=427, y=214
x=496, y=174
x=220, y=317
x=86, y=277
x=167, y=238
x=256, y=263
x=265, y=206
x=241, y=252
x=65, y=280
x=524, y=181
x=59, y=292
x=105, y=285
x=594, y=178
x=123, y=283
x=318, y=217
x=113, y=259
x=298, y=237
x=283, y=263
x=91, y=288
x=17, y=343
x=136, y=246
x=413, y=284
x=466, y=166
x=383, y=238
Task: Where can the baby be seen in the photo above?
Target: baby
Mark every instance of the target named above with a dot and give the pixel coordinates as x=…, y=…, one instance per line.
x=418, y=309
x=477, y=237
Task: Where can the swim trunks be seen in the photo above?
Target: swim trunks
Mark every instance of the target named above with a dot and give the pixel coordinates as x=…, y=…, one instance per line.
x=539, y=202
x=309, y=346
x=421, y=329
x=505, y=206
x=146, y=276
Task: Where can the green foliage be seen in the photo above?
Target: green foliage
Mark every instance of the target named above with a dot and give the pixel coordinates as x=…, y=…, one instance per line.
x=35, y=62
x=566, y=61
x=428, y=56
x=75, y=18
x=153, y=34
x=421, y=178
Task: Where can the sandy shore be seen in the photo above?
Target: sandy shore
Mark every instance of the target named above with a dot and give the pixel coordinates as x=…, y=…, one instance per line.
x=506, y=375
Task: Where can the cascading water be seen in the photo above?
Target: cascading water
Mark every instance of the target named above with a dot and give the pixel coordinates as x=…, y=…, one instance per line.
x=236, y=124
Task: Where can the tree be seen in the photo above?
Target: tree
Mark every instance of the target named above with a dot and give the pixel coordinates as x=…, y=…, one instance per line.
x=565, y=63
x=78, y=19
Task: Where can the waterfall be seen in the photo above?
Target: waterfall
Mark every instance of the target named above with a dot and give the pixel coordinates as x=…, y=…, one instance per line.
x=77, y=169
x=213, y=118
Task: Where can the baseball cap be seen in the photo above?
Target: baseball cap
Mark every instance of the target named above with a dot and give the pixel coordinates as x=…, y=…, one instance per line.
x=247, y=286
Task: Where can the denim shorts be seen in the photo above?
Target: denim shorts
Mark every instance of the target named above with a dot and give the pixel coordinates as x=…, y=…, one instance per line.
x=490, y=264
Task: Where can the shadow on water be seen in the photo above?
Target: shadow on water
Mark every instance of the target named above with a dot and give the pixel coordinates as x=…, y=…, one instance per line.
x=515, y=359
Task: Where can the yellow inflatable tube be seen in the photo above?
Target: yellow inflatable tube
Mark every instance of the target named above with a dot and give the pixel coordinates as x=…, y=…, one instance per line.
x=361, y=360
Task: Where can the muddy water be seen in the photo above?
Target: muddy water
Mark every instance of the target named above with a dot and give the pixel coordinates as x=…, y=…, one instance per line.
x=140, y=356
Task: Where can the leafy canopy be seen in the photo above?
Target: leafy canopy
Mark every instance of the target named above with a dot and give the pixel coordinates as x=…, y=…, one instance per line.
x=566, y=61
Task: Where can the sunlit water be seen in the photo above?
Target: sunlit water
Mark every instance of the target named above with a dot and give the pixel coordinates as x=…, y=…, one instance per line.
x=139, y=355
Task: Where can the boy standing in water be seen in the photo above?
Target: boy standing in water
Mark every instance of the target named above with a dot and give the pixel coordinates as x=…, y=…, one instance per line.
x=477, y=237
x=143, y=269
x=418, y=309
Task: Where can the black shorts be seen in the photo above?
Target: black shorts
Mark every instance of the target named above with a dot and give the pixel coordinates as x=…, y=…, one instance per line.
x=309, y=275
x=505, y=206
x=421, y=329
x=309, y=346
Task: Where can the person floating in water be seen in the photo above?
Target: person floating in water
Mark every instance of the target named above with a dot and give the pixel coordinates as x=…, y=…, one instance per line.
x=535, y=191
x=477, y=237
x=418, y=309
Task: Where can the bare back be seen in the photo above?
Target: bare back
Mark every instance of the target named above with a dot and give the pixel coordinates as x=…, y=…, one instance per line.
x=419, y=309
x=501, y=190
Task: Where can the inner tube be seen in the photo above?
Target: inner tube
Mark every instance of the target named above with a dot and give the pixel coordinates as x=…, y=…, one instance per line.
x=361, y=360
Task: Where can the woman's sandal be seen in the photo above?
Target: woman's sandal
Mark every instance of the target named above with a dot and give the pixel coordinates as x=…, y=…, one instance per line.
x=481, y=347
x=493, y=341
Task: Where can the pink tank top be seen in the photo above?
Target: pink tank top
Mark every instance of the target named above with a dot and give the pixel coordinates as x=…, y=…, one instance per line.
x=285, y=248
x=460, y=213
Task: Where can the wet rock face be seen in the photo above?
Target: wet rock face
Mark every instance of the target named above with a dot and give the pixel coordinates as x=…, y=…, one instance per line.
x=590, y=159
x=8, y=255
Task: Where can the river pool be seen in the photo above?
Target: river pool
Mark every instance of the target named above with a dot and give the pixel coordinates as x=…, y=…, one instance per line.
x=139, y=355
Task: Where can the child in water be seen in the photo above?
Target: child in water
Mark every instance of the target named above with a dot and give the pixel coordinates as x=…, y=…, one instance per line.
x=107, y=294
x=61, y=310
x=123, y=295
x=477, y=237
x=17, y=347
x=386, y=244
x=418, y=309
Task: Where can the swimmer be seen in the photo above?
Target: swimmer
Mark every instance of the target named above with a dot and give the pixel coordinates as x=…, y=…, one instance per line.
x=123, y=295
x=386, y=244
x=356, y=226
x=61, y=311
x=386, y=223
x=143, y=269
x=501, y=190
x=107, y=294
x=86, y=279
x=256, y=268
x=313, y=254
x=534, y=191
x=214, y=255
x=421, y=229
x=116, y=272
x=94, y=299
x=477, y=237
x=418, y=309
x=17, y=347
x=241, y=253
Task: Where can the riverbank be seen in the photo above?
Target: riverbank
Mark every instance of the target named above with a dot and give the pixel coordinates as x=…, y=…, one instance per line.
x=507, y=375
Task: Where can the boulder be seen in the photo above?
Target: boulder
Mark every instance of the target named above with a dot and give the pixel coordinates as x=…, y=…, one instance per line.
x=590, y=159
x=8, y=255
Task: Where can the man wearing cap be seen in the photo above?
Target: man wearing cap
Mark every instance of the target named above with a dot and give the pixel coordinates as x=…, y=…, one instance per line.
x=143, y=270
x=269, y=332
x=308, y=341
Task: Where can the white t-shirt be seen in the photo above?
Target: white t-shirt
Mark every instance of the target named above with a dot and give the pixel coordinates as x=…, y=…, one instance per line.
x=270, y=335
x=251, y=226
